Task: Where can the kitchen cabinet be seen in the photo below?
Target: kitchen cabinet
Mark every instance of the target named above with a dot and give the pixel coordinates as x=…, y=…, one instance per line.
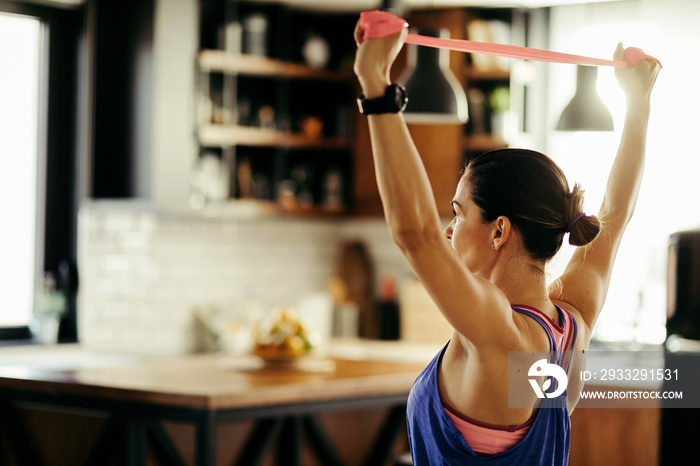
x=275, y=105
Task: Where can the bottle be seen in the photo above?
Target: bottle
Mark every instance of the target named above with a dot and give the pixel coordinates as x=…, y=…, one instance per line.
x=388, y=310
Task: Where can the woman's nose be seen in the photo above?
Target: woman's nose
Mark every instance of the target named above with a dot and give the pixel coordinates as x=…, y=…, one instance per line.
x=448, y=232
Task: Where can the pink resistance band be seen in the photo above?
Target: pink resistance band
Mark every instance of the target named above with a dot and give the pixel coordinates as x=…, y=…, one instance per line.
x=376, y=24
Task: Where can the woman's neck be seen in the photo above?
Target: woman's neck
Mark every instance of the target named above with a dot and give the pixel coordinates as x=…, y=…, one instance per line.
x=523, y=282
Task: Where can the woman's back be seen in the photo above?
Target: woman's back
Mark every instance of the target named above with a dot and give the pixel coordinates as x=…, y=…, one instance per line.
x=435, y=437
x=468, y=372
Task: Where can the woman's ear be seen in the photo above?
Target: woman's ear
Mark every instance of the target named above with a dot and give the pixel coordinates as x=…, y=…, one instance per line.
x=501, y=232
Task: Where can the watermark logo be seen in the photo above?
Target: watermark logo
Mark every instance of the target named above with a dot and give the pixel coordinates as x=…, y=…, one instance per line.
x=618, y=379
x=552, y=372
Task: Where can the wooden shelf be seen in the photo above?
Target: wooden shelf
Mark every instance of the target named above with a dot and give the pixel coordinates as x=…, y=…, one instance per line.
x=230, y=135
x=483, y=142
x=474, y=74
x=249, y=208
x=312, y=211
x=252, y=65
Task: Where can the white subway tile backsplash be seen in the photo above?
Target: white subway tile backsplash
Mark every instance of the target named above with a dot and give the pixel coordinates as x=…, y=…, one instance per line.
x=144, y=272
x=118, y=221
x=134, y=241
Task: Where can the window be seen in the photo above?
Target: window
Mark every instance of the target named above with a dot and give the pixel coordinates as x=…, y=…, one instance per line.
x=39, y=72
x=20, y=164
x=634, y=312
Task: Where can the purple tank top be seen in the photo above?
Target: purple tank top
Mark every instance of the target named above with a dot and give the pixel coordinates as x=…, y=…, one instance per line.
x=434, y=440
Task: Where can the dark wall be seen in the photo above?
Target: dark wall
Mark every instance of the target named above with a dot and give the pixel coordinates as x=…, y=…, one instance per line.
x=123, y=43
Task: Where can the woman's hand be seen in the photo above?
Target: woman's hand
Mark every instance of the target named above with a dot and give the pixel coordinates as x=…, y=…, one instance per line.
x=636, y=81
x=373, y=60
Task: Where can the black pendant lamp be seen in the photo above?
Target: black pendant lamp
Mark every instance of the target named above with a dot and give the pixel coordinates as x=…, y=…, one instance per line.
x=586, y=111
x=435, y=95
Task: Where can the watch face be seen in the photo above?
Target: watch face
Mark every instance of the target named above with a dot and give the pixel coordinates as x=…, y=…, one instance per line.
x=399, y=96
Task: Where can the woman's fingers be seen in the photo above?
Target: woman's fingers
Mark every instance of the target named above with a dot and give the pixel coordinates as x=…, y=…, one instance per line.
x=375, y=57
x=639, y=77
x=358, y=34
x=619, y=52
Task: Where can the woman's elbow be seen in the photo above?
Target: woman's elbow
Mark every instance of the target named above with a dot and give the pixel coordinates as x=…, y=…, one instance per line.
x=410, y=239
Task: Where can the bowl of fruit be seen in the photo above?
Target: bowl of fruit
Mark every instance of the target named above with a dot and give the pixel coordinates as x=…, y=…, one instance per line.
x=283, y=337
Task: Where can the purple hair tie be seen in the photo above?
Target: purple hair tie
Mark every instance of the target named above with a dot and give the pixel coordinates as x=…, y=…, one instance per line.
x=573, y=222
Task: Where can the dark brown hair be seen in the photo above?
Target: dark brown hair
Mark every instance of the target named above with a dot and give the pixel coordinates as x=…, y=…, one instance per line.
x=531, y=190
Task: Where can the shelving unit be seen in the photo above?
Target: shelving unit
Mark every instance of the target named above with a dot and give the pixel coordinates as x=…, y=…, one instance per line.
x=252, y=65
x=484, y=77
x=271, y=119
x=254, y=209
x=475, y=142
x=234, y=135
x=482, y=142
x=511, y=26
x=233, y=87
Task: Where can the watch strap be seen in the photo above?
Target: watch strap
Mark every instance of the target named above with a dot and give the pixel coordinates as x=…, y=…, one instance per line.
x=393, y=100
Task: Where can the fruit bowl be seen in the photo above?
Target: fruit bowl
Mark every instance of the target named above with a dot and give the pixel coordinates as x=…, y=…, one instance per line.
x=282, y=338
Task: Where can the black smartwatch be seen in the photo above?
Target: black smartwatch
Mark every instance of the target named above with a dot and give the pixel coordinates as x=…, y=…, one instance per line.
x=394, y=100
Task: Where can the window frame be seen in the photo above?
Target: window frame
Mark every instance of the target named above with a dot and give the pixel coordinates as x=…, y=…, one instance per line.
x=57, y=202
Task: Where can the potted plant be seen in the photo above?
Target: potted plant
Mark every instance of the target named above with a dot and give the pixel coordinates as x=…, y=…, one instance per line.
x=50, y=305
x=504, y=122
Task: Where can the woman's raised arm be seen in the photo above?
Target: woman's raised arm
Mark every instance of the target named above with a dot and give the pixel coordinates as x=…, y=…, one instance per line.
x=411, y=212
x=409, y=205
x=585, y=282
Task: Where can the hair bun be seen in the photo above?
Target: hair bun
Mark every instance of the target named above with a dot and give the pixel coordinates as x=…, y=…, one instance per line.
x=583, y=229
x=573, y=222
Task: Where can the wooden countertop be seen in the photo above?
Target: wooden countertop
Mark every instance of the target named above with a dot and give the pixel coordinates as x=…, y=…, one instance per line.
x=212, y=381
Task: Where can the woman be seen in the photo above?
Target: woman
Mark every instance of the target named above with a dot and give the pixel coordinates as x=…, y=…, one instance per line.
x=486, y=272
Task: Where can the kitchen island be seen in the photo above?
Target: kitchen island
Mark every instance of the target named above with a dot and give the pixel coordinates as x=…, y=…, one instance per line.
x=134, y=396
x=64, y=405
